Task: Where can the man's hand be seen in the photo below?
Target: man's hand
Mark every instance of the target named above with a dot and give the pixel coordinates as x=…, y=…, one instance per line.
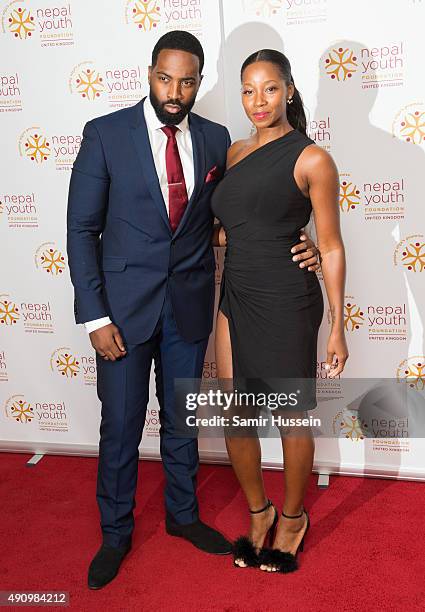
x=307, y=253
x=107, y=342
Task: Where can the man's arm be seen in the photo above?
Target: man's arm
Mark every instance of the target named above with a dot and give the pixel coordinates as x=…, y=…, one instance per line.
x=87, y=206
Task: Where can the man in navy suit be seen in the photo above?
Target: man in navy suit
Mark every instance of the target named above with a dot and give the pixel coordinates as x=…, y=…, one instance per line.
x=142, y=265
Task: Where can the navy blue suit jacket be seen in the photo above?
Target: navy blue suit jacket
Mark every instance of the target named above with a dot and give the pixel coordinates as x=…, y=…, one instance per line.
x=121, y=249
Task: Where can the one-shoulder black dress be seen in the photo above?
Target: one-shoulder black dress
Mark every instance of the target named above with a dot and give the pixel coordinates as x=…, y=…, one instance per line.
x=274, y=307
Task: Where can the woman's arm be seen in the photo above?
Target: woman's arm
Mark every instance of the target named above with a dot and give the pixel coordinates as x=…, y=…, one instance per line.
x=323, y=186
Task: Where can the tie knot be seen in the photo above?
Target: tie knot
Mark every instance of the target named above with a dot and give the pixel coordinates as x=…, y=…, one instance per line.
x=170, y=131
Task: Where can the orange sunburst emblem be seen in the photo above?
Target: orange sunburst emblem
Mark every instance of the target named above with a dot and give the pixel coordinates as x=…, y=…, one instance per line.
x=9, y=313
x=89, y=84
x=146, y=14
x=349, y=196
x=22, y=411
x=352, y=427
x=412, y=127
x=67, y=365
x=413, y=256
x=353, y=316
x=37, y=148
x=340, y=64
x=21, y=23
x=52, y=261
x=412, y=372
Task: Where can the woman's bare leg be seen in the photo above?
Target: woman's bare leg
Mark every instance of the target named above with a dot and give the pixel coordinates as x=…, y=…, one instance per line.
x=298, y=451
x=244, y=452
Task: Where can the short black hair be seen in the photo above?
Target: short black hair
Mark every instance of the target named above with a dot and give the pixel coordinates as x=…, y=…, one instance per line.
x=181, y=41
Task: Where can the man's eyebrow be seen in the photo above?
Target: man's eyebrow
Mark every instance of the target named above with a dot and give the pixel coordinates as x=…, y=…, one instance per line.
x=186, y=78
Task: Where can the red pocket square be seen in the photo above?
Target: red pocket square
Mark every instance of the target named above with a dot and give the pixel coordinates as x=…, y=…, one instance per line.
x=213, y=174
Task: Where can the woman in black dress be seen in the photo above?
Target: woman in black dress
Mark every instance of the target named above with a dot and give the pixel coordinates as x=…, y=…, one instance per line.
x=270, y=309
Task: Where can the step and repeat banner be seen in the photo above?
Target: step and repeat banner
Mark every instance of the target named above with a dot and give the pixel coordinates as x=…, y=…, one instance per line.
x=359, y=69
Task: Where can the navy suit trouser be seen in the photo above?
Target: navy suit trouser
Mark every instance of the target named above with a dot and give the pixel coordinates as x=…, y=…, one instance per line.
x=123, y=388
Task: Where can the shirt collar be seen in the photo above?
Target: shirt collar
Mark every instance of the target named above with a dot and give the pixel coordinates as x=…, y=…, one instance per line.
x=154, y=123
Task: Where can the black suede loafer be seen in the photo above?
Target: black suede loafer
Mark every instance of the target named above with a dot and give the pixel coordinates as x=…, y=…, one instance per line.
x=200, y=535
x=105, y=565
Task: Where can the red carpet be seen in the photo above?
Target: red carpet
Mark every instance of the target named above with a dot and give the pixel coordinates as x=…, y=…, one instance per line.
x=364, y=550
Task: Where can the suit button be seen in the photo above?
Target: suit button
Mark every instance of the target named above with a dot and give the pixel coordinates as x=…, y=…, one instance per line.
x=170, y=273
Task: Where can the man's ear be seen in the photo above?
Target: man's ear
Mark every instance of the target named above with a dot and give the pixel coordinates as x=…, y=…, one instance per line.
x=149, y=73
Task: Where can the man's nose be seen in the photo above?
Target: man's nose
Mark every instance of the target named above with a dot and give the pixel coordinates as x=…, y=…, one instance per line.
x=174, y=91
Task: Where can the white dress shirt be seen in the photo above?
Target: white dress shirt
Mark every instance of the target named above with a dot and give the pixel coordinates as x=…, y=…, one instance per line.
x=158, y=142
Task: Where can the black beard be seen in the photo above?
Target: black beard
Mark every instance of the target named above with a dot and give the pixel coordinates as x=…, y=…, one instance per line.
x=170, y=118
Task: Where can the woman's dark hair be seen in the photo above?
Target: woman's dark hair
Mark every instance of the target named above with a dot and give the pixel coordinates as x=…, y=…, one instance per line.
x=181, y=41
x=295, y=111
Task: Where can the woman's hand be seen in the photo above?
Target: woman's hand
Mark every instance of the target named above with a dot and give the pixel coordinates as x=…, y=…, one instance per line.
x=337, y=353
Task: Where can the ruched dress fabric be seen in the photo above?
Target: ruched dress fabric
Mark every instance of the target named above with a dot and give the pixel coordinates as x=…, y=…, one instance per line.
x=274, y=307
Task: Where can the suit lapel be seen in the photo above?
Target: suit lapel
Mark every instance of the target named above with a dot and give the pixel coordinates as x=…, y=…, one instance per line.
x=141, y=142
x=199, y=163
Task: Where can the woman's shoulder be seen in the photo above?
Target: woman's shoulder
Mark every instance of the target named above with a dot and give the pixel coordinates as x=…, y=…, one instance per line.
x=236, y=149
x=314, y=159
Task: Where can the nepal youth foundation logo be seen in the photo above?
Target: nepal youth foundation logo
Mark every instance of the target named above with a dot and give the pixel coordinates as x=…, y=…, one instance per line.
x=349, y=194
x=410, y=253
x=38, y=148
x=52, y=25
x=145, y=14
x=86, y=81
x=354, y=317
x=47, y=416
x=9, y=312
x=68, y=365
x=18, y=409
x=49, y=259
x=348, y=424
x=409, y=124
x=65, y=363
x=34, y=145
x=340, y=64
x=412, y=372
x=19, y=21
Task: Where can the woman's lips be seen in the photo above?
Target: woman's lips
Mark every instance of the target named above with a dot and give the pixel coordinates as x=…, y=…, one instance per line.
x=260, y=116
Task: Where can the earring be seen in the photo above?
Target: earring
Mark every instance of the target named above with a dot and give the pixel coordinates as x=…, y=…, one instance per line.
x=289, y=100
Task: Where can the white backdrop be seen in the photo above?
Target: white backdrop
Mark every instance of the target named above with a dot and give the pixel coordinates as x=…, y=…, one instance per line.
x=359, y=68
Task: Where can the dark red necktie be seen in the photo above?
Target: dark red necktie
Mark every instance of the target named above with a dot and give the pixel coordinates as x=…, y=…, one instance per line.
x=177, y=192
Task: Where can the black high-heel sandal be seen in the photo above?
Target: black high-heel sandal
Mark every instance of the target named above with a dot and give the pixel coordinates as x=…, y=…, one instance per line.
x=284, y=562
x=244, y=549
